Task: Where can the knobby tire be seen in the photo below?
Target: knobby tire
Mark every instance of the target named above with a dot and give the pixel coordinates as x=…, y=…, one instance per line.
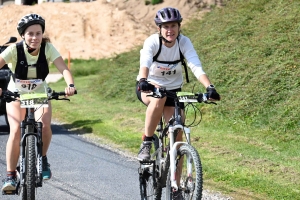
x=30, y=168
x=192, y=185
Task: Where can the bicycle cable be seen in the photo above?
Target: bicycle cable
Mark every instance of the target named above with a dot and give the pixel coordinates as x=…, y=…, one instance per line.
x=195, y=110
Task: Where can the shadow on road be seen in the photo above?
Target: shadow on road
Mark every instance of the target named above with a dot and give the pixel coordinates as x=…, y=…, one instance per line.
x=77, y=127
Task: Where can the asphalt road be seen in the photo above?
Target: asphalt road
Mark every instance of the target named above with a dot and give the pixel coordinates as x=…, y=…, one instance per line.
x=82, y=170
x=85, y=171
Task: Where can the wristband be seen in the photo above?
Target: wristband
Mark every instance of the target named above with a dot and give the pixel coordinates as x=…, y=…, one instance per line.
x=211, y=86
x=142, y=79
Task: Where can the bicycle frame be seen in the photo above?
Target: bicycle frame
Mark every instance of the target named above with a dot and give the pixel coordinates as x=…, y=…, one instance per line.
x=173, y=130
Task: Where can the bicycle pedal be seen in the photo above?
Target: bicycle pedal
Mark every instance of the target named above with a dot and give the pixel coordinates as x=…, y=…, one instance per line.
x=147, y=162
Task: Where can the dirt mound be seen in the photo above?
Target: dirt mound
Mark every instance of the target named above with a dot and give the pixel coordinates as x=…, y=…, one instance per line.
x=95, y=29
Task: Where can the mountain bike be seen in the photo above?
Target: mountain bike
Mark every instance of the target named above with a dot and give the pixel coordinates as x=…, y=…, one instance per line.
x=159, y=172
x=29, y=171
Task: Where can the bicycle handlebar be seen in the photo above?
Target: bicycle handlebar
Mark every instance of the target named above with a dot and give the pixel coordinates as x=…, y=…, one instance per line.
x=9, y=96
x=56, y=95
x=193, y=97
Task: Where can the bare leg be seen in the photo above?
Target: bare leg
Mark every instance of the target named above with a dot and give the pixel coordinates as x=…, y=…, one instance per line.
x=15, y=115
x=153, y=113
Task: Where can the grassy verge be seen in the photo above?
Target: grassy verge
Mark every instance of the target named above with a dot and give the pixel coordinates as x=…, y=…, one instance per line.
x=249, y=142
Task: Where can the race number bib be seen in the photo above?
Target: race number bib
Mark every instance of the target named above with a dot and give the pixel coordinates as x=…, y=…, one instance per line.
x=166, y=70
x=32, y=93
x=34, y=103
x=26, y=86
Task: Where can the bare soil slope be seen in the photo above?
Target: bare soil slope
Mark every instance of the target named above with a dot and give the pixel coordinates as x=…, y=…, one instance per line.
x=95, y=29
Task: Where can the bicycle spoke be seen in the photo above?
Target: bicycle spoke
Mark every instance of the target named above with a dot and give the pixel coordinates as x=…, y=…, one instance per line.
x=191, y=176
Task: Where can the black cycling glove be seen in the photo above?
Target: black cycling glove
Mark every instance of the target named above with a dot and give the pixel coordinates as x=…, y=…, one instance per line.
x=144, y=85
x=212, y=92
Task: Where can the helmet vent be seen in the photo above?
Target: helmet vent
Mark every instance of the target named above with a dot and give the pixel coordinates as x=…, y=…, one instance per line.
x=169, y=14
x=163, y=15
x=175, y=14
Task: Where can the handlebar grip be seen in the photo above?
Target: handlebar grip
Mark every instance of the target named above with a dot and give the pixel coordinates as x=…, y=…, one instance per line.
x=202, y=97
x=63, y=93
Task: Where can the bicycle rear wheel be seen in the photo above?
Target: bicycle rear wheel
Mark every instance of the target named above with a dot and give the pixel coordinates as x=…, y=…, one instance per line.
x=150, y=189
x=30, y=160
x=147, y=186
x=191, y=182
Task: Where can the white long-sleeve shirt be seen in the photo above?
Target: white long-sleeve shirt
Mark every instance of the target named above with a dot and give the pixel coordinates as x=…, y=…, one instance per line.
x=169, y=75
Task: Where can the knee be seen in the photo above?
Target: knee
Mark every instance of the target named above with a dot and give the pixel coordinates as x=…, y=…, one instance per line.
x=14, y=128
x=46, y=128
x=15, y=134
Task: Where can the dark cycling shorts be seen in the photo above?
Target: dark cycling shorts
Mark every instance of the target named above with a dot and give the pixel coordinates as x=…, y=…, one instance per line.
x=169, y=102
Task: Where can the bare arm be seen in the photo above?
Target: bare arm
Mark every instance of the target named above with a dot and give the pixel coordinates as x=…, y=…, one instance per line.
x=213, y=95
x=144, y=71
x=204, y=80
x=63, y=69
x=2, y=62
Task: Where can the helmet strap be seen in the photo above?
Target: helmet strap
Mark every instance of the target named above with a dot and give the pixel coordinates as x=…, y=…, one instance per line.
x=29, y=49
x=164, y=39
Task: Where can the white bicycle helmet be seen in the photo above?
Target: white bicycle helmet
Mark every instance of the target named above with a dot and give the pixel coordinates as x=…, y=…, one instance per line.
x=29, y=20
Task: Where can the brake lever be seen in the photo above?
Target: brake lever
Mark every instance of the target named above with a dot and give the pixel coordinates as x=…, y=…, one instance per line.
x=63, y=99
x=211, y=102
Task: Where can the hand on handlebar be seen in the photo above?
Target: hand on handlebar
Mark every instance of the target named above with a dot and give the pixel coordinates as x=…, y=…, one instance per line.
x=70, y=91
x=212, y=94
x=144, y=86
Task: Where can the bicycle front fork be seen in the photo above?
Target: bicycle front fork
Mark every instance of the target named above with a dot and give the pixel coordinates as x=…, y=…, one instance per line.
x=39, y=146
x=173, y=151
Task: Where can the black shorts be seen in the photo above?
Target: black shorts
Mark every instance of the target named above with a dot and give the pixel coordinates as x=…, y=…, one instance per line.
x=169, y=102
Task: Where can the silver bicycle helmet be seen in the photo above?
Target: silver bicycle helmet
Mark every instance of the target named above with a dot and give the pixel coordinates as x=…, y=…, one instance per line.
x=29, y=20
x=167, y=14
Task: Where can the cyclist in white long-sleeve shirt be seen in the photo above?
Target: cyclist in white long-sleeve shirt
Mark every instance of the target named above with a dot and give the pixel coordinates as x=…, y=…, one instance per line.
x=165, y=74
x=161, y=66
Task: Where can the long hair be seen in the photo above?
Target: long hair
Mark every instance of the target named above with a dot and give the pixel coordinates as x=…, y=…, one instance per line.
x=45, y=40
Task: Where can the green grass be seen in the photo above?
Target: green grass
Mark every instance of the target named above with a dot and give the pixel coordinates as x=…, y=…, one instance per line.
x=248, y=143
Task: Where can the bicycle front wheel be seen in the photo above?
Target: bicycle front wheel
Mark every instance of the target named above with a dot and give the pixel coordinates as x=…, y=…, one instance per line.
x=191, y=181
x=30, y=160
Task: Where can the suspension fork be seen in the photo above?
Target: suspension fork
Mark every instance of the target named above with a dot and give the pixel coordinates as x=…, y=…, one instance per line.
x=178, y=120
x=173, y=130
x=177, y=113
x=30, y=124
